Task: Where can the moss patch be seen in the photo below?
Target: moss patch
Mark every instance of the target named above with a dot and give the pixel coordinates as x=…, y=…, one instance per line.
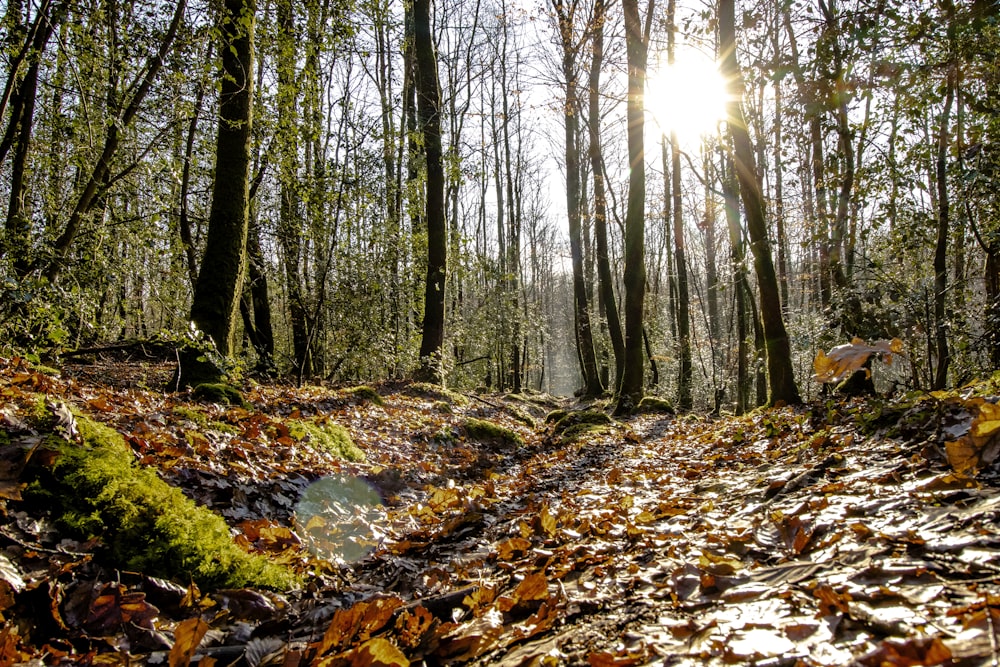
x=571, y=426
x=652, y=404
x=326, y=436
x=435, y=392
x=96, y=490
x=481, y=429
x=219, y=392
x=364, y=394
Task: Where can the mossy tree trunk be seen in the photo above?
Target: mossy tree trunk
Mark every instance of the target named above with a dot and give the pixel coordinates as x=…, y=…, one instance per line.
x=217, y=292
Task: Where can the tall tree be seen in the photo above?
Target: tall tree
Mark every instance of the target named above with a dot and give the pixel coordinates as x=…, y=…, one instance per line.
x=606, y=282
x=943, y=202
x=22, y=89
x=220, y=281
x=636, y=40
x=683, y=316
x=570, y=43
x=429, y=120
x=780, y=375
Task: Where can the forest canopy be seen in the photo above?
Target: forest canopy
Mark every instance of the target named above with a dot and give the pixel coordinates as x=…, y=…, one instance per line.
x=481, y=193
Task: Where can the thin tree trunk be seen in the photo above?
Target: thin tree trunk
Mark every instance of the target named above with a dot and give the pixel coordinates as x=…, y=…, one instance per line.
x=941, y=246
x=607, y=288
x=781, y=379
x=583, y=331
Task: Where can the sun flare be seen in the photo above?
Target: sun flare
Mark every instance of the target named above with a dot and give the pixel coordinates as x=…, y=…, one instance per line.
x=688, y=97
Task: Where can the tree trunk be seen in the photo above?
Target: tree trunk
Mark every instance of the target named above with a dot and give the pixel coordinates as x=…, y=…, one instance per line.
x=600, y=197
x=429, y=119
x=741, y=289
x=217, y=292
x=631, y=390
x=571, y=110
x=941, y=246
x=781, y=379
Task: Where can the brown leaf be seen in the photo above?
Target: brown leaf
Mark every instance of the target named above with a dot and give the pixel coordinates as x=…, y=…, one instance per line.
x=358, y=623
x=378, y=652
x=187, y=637
x=545, y=522
x=830, y=601
x=114, y=606
x=908, y=653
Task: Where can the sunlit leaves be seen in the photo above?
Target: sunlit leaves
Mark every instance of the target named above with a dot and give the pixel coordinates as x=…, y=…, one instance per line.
x=844, y=360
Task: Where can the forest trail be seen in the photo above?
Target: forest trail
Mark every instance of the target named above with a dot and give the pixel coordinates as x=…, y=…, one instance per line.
x=842, y=532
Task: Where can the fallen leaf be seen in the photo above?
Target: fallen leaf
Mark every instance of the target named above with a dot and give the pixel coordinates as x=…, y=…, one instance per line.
x=187, y=637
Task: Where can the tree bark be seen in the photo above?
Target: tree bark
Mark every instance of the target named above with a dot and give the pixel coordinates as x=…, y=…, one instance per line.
x=429, y=119
x=631, y=390
x=781, y=379
x=217, y=292
x=606, y=282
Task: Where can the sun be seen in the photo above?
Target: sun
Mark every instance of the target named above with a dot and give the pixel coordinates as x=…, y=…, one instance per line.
x=688, y=97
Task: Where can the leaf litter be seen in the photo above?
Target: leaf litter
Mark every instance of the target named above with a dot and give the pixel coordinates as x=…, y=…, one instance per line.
x=848, y=531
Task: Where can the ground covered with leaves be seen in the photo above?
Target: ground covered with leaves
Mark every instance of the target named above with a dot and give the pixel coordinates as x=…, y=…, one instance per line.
x=412, y=525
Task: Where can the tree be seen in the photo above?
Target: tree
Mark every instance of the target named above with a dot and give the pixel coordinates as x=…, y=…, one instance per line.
x=570, y=44
x=220, y=281
x=123, y=112
x=636, y=40
x=683, y=302
x=607, y=288
x=780, y=375
x=429, y=120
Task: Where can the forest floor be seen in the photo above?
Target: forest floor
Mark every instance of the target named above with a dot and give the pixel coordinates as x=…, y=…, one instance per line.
x=846, y=531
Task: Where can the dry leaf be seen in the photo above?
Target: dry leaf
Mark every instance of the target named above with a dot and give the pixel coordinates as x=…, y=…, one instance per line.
x=187, y=637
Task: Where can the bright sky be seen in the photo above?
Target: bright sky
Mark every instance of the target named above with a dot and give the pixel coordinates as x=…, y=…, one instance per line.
x=689, y=97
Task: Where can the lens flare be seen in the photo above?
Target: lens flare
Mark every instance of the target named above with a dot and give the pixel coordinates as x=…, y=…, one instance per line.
x=337, y=517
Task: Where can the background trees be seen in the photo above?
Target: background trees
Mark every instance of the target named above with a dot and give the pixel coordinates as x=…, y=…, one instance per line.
x=872, y=127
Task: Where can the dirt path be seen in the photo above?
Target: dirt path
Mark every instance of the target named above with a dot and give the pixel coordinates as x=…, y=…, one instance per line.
x=826, y=535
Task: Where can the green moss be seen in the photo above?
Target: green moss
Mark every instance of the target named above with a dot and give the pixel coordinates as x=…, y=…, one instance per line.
x=4, y=439
x=555, y=416
x=197, y=416
x=146, y=525
x=364, y=394
x=435, y=392
x=444, y=407
x=201, y=420
x=46, y=370
x=219, y=392
x=481, y=429
x=570, y=426
x=653, y=404
x=328, y=437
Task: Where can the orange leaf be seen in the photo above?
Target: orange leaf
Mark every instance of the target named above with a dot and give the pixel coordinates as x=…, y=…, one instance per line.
x=187, y=637
x=378, y=652
x=532, y=587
